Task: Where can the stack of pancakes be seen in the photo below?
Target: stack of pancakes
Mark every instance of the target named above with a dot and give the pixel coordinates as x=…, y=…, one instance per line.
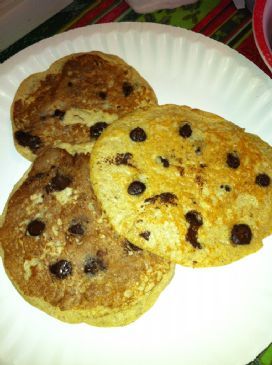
x=121, y=189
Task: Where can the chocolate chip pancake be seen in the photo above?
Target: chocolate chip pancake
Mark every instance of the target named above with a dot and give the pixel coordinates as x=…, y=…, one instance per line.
x=62, y=255
x=71, y=103
x=185, y=184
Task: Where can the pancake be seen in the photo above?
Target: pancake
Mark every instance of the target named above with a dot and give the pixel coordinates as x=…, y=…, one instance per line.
x=62, y=255
x=71, y=103
x=185, y=184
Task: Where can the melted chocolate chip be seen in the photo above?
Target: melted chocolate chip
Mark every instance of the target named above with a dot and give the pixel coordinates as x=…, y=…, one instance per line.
x=262, y=180
x=129, y=247
x=76, y=229
x=97, y=129
x=26, y=139
x=102, y=95
x=241, y=234
x=58, y=183
x=123, y=159
x=136, y=188
x=163, y=198
x=70, y=84
x=137, y=135
x=35, y=227
x=164, y=161
x=127, y=88
x=185, y=130
x=145, y=235
x=93, y=265
x=195, y=220
x=59, y=114
x=61, y=269
x=233, y=160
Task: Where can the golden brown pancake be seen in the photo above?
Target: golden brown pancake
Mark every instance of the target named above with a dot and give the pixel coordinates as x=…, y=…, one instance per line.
x=71, y=103
x=62, y=255
x=185, y=184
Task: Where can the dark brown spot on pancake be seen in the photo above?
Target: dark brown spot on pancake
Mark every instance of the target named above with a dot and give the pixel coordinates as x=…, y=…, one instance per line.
x=233, y=160
x=136, y=188
x=58, y=183
x=241, y=234
x=262, y=180
x=93, y=265
x=130, y=247
x=185, y=130
x=101, y=253
x=76, y=229
x=195, y=221
x=127, y=88
x=199, y=181
x=198, y=150
x=26, y=139
x=164, y=161
x=35, y=227
x=226, y=187
x=203, y=165
x=61, y=269
x=145, y=235
x=163, y=198
x=137, y=135
x=59, y=114
x=102, y=95
x=97, y=129
x=180, y=170
x=123, y=159
x=70, y=84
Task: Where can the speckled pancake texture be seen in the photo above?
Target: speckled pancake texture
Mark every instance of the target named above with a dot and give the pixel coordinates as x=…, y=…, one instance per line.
x=62, y=255
x=71, y=103
x=185, y=184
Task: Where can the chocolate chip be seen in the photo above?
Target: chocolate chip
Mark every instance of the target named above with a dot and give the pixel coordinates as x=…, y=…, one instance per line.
x=35, y=227
x=185, y=130
x=233, y=160
x=241, y=234
x=137, y=135
x=59, y=114
x=61, y=269
x=93, y=265
x=164, y=161
x=226, y=187
x=198, y=150
x=97, y=129
x=145, y=235
x=58, y=183
x=26, y=139
x=195, y=220
x=127, y=88
x=203, y=165
x=262, y=180
x=136, y=188
x=70, y=84
x=129, y=247
x=76, y=229
x=102, y=95
x=123, y=158
x=163, y=198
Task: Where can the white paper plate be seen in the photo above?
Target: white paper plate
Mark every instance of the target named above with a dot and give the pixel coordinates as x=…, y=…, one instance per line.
x=205, y=316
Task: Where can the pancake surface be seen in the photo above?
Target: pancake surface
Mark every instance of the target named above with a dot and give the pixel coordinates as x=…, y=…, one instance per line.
x=70, y=104
x=62, y=255
x=185, y=184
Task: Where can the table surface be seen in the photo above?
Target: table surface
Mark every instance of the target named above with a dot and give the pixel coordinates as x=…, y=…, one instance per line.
x=217, y=19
